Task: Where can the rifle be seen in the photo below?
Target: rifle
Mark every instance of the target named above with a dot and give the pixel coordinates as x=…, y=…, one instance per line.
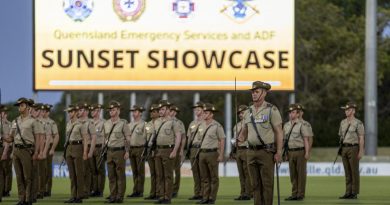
x=65, y=148
x=285, y=145
x=153, y=146
x=196, y=158
x=341, y=144
x=105, y=148
x=189, y=146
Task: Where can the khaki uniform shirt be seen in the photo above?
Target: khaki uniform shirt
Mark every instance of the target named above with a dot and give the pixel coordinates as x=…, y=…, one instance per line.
x=75, y=131
x=119, y=133
x=298, y=132
x=5, y=129
x=266, y=117
x=167, y=133
x=149, y=131
x=354, y=131
x=192, y=132
x=239, y=126
x=137, y=129
x=89, y=125
x=211, y=135
x=99, y=131
x=181, y=125
x=29, y=127
x=53, y=129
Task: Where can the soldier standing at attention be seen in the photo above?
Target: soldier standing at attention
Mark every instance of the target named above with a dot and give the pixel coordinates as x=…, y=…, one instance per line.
x=117, y=136
x=53, y=140
x=212, y=147
x=137, y=145
x=99, y=173
x=168, y=139
x=176, y=185
x=351, y=134
x=296, y=135
x=301, y=112
x=263, y=131
x=74, y=149
x=241, y=158
x=25, y=132
x=5, y=127
x=149, y=132
x=193, y=143
x=89, y=145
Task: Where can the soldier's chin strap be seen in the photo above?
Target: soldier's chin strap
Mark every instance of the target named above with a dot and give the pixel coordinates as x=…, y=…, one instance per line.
x=258, y=99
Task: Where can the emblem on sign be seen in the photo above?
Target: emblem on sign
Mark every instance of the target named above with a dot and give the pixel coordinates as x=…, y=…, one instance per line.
x=129, y=10
x=183, y=8
x=240, y=11
x=78, y=10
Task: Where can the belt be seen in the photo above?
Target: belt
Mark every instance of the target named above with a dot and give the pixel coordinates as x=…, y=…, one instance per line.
x=242, y=147
x=22, y=146
x=76, y=142
x=113, y=149
x=195, y=146
x=296, y=149
x=165, y=146
x=260, y=147
x=140, y=146
x=96, y=145
x=209, y=150
x=350, y=145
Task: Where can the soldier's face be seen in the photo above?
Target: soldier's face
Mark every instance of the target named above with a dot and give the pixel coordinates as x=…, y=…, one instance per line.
x=198, y=111
x=35, y=113
x=81, y=112
x=43, y=113
x=172, y=113
x=23, y=107
x=136, y=114
x=95, y=112
x=293, y=115
x=154, y=114
x=3, y=114
x=163, y=111
x=350, y=112
x=71, y=114
x=258, y=95
x=208, y=115
x=241, y=115
x=114, y=112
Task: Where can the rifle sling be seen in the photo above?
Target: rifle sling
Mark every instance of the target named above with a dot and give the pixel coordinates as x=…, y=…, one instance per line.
x=255, y=128
x=19, y=132
x=289, y=135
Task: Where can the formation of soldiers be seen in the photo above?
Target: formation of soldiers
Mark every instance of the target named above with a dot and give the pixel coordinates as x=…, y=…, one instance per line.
x=260, y=143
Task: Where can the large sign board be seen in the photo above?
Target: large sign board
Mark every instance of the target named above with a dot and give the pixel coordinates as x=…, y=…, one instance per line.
x=163, y=45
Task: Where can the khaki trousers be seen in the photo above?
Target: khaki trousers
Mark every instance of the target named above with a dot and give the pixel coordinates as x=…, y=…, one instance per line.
x=23, y=165
x=116, y=165
x=49, y=173
x=164, y=168
x=87, y=175
x=98, y=173
x=261, y=170
x=242, y=165
x=196, y=172
x=138, y=169
x=297, y=166
x=7, y=171
x=42, y=178
x=75, y=162
x=351, y=169
x=2, y=178
x=176, y=169
x=153, y=177
x=208, y=165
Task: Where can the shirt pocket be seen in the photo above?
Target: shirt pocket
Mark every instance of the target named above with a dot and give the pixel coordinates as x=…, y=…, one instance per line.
x=168, y=131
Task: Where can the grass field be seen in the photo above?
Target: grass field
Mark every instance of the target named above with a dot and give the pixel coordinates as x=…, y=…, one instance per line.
x=320, y=190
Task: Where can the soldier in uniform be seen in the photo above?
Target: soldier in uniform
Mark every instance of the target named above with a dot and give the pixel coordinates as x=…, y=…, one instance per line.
x=212, y=146
x=25, y=133
x=117, y=136
x=241, y=158
x=39, y=164
x=89, y=146
x=263, y=130
x=149, y=132
x=74, y=151
x=137, y=145
x=193, y=143
x=53, y=140
x=301, y=112
x=296, y=135
x=176, y=185
x=168, y=139
x=98, y=173
x=351, y=134
x=5, y=127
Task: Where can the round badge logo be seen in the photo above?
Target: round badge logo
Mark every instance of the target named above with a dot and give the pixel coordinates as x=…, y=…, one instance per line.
x=78, y=10
x=129, y=10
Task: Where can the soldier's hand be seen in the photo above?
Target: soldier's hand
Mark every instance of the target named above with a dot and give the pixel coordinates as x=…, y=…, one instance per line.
x=172, y=155
x=307, y=156
x=220, y=158
x=126, y=156
x=277, y=157
x=85, y=156
x=90, y=155
x=51, y=152
x=360, y=155
x=3, y=156
x=35, y=156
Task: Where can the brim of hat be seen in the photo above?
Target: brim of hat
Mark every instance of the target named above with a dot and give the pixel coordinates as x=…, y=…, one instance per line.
x=211, y=110
x=195, y=106
x=132, y=110
x=258, y=88
x=346, y=108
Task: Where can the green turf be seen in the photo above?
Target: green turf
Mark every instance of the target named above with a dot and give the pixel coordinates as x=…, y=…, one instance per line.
x=320, y=190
